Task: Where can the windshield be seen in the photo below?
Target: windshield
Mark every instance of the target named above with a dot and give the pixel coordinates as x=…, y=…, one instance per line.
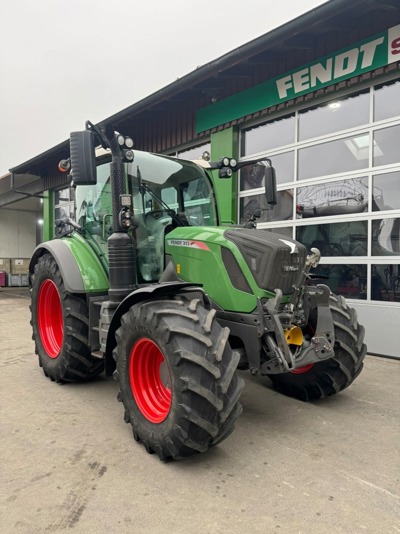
x=181, y=186
x=166, y=193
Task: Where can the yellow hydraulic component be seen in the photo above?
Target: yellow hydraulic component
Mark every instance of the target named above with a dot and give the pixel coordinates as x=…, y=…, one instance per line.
x=294, y=336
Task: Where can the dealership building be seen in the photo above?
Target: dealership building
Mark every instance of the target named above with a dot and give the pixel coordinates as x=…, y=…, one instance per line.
x=320, y=97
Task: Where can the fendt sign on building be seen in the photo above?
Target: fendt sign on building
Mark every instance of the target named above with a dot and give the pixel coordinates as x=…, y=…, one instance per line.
x=367, y=55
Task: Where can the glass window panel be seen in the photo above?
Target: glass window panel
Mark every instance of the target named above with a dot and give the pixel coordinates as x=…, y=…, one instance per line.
x=168, y=195
x=386, y=237
x=63, y=207
x=197, y=204
x=336, y=239
x=287, y=231
x=386, y=191
x=347, y=280
x=386, y=146
x=267, y=136
x=283, y=210
x=252, y=176
x=93, y=202
x=93, y=208
x=62, y=195
x=60, y=212
x=333, y=117
x=387, y=101
x=284, y=167
x=64, y=211
x=385, y=282
x=335, y=198
x=349, y=154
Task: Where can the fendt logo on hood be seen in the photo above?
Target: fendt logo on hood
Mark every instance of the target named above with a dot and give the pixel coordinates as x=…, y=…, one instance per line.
x=187, y=243
x=292, y=246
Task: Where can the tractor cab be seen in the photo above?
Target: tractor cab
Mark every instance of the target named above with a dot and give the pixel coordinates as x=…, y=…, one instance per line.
x=166, y=193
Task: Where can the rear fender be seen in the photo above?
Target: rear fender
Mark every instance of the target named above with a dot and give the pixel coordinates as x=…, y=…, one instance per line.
x=153, y=292
x=81, y=269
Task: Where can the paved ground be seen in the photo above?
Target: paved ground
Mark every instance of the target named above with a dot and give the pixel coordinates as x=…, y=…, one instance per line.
x=69, y=462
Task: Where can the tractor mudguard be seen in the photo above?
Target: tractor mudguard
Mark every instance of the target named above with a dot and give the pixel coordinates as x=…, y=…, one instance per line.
x=80, y=268
x=152, y=292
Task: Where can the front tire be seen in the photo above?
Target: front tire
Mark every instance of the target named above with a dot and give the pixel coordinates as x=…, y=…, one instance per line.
x=322, y=379
x=177, y=377
x=60, y=323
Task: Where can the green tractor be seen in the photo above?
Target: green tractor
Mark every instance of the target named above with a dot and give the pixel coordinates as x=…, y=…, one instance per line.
x=143, y=283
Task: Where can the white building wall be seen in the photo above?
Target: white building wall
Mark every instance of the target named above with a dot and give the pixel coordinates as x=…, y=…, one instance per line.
x=17, y=234
x=381, y=324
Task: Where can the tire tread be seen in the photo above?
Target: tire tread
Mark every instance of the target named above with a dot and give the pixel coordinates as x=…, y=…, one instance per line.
x=206, y=389
x=331, y=376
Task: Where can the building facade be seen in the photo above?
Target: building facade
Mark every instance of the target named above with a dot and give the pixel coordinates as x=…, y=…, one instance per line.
x=337, y=157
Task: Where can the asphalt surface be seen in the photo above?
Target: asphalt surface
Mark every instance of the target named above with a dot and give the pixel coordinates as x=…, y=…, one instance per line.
x=69, y=462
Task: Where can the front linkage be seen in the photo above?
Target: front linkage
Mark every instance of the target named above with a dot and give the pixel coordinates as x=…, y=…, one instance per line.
x=278, y=347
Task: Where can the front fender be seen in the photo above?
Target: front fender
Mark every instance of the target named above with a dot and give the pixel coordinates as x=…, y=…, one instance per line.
x=152, y=292
x=80, y=267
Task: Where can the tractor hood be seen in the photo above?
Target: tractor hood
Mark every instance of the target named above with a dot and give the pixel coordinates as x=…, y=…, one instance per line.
x=236, y=265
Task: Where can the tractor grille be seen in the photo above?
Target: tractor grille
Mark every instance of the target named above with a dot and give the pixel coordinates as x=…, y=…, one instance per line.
x=276, y=261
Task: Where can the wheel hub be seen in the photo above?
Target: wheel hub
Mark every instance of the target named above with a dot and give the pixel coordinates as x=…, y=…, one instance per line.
x=302, y=370
x=50, y=319
x=150, y=380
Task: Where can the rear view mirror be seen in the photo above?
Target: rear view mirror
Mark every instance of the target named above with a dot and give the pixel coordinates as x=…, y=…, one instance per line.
x=270, y=185
x=83, y=161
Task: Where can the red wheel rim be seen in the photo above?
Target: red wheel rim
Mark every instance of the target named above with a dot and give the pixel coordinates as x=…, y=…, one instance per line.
x=50, y=319
x=150, y=380
x=302, y=370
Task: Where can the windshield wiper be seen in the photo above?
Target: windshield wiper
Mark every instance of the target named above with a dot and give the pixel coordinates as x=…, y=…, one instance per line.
x=144, y=188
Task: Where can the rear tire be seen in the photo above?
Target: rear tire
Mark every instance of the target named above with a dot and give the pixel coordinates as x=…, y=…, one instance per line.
x=60, y=323
x=177, y=377
x=322, y=379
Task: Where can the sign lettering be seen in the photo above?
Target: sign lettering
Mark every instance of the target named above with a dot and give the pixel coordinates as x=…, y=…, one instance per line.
x=375, y=52
x=394, y=43
x=344, y=64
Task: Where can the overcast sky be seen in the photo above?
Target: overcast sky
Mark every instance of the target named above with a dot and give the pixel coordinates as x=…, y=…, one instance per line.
x=65, y=61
